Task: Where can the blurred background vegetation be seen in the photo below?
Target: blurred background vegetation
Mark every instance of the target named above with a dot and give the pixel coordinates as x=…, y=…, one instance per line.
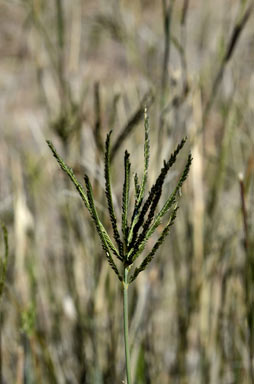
x=69, y=72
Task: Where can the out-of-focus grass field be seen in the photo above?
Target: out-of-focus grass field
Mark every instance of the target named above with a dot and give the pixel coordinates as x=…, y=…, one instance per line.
x=70, y=71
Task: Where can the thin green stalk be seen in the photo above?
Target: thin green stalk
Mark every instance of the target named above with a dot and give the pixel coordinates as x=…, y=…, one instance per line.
x=126, y=326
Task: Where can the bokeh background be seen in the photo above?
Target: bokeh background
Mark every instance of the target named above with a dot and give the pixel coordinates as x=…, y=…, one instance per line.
x=70, y=71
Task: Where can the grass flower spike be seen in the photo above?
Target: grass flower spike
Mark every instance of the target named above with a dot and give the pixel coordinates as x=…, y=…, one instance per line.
x=137, y=227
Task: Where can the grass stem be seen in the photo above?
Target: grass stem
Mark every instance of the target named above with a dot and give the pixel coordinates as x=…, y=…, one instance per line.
x=126, y=326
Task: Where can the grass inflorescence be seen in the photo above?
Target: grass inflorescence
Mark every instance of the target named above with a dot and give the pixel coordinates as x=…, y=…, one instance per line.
x=143, y=222
x=144, y=219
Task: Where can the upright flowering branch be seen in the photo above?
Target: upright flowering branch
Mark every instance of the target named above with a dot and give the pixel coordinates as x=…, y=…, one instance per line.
x=129, y=243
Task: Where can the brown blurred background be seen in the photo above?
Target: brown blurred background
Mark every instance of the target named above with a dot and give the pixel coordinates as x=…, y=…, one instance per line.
x=70, y=71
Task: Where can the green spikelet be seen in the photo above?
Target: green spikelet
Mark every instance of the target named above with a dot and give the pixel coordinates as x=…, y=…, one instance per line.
x=155, y=192
x=137, y=187
x=108, y=193
x=173, y=197
x=153, y=199
x=70, y=173
x=156, y=246
x=140, y=189
x=125, y=196
x=146, y=158
x=80, y=190
x=100, y=230
x=140, y=245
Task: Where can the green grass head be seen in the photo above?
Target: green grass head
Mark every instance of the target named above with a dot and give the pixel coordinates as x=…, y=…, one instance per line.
x=139, y=222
